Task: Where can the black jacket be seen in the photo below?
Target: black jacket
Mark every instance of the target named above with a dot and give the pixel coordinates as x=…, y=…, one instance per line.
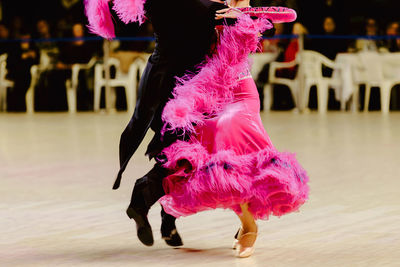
x=184, y=31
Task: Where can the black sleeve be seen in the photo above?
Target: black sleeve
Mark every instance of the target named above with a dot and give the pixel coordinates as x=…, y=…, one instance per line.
x=227, y=21
x=213, y=6
x=212, y=9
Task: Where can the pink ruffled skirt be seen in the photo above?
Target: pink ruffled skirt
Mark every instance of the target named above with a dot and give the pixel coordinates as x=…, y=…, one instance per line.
x=231, y=161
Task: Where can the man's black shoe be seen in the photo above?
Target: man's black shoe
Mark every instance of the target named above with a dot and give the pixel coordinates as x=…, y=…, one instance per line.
x=173, y=239
x=143, y=227
x=168, y=230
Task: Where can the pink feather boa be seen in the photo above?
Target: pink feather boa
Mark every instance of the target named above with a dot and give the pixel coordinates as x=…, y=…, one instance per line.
x=100, y=19
x=204, y=94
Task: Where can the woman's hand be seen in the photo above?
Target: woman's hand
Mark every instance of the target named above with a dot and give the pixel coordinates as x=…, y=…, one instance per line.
x=231, y=13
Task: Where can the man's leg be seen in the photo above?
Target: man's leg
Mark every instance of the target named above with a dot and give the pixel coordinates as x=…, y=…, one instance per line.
x=146, y=192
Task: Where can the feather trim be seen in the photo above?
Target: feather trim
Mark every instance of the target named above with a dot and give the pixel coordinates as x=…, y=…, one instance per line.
x=99, y=17
x=271, y=182
x=130, y=10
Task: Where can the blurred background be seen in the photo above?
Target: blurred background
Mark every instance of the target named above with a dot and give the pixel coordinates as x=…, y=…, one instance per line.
x=49, y=59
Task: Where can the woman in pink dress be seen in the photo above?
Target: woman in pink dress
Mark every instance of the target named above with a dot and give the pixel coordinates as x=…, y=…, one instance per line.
x=229, y=161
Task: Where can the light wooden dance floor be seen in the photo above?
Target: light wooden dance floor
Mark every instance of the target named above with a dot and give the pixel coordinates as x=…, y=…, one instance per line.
x=57, y=207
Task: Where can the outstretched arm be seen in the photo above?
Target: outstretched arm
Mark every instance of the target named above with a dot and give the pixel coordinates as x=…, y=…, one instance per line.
x=231, y=15
x=274, y=14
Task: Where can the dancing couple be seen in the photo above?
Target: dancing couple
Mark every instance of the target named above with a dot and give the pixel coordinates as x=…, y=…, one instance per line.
x=199, y=98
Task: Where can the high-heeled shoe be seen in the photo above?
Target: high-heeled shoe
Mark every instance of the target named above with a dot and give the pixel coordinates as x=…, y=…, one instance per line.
x=245, y=247
x=237, y=235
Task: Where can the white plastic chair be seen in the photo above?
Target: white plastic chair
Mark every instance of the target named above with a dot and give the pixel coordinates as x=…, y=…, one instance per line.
x=129, y=81
x=258, y=62
x=310, y=68
x=36, y=70
x=293, y=84
x=374, y=67
x=30, y=94
x=71, y=85
x=4, y=83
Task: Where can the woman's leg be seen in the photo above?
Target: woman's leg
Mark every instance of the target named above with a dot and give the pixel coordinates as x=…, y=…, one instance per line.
x=247, y=219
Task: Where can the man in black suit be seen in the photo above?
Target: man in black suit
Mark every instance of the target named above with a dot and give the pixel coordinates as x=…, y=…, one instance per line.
x=184, y=31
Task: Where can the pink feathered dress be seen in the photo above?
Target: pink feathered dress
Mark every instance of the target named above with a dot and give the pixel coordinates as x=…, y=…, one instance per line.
x=230, y=159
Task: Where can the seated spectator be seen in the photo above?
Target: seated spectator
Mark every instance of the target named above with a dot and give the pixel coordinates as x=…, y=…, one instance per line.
x=48, y=49
x=17, y=27
x=393, y=45
x=78, y=51
x=275, y=46
x=5, y=45
x=50, y=92
x=393, y=29
x=371, y=30
x=282, y=96
x=19, y=62
x=329, y=47
x=63, y=28
x=292, y=49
